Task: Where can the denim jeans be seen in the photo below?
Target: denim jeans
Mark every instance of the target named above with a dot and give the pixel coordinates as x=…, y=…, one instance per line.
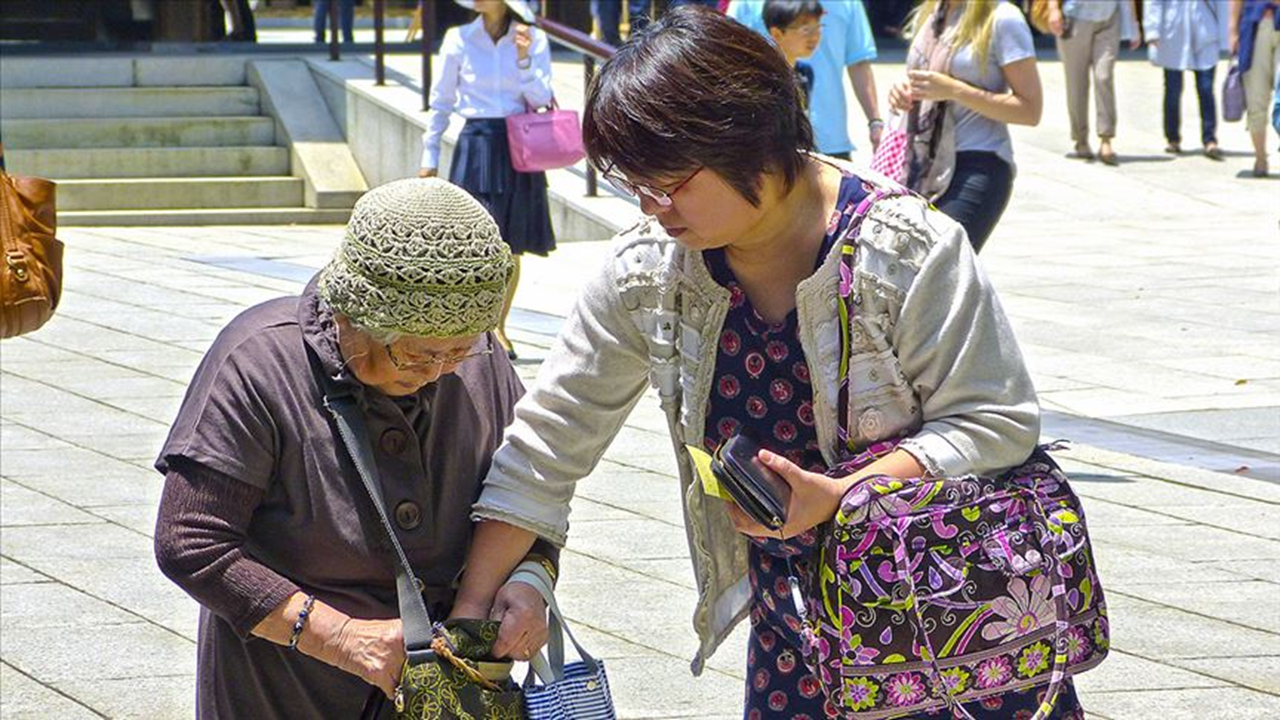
x=1173, y=106
x=978, y=194
x=347, y=11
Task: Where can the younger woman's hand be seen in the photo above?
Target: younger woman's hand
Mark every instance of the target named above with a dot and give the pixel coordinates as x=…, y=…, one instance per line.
x=930, y=85
x=900, y=96
x=523, y=614
x=524, y=41
x=814, y=499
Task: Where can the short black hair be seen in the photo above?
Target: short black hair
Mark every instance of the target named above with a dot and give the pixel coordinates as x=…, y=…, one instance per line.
x=782, y=13
x=698, y=89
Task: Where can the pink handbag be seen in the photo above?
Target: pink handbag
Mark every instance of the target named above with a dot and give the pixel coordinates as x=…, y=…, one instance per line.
x=544, y=140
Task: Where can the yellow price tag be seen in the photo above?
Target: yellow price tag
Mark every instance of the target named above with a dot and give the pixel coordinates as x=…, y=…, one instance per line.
x=702, y=462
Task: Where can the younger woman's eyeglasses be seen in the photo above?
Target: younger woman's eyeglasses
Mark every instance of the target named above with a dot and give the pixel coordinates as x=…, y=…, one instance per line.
x=658, y=195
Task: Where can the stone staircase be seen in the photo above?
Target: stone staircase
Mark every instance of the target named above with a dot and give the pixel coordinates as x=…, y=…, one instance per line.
x=176, y=154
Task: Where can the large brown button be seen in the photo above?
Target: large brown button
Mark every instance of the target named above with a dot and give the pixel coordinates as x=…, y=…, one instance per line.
x=408, y=515
x=393, y=441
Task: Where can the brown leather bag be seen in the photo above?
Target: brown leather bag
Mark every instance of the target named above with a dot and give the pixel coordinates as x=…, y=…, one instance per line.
x=31, y=269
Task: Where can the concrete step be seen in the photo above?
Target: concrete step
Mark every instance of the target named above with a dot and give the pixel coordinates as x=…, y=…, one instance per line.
x=137, y=132
x=149, y=162
x=163, y=69
x=178, y=193
x=219, y=216
x=129, y=102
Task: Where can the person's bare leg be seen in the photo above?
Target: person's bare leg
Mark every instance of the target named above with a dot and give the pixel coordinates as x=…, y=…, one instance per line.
x=506, y=310
x=1260, y=152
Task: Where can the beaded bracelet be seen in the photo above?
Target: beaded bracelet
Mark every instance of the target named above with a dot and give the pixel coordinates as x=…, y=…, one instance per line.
x=302, y=620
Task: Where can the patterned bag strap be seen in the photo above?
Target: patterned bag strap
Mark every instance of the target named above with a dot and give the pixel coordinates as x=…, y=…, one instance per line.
x=1062, y=616
x=849, y=300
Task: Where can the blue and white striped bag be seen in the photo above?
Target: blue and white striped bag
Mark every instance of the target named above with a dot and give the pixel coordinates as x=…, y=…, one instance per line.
x=577, y=690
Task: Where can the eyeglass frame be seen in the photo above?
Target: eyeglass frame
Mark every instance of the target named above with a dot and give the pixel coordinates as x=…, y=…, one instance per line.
x=435, y=362
x=805, y=30
x=664, y=198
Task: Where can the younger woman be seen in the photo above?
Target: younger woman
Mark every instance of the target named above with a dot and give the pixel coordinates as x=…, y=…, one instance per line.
x=725, y=298
x=972, y=66
x=493, y=67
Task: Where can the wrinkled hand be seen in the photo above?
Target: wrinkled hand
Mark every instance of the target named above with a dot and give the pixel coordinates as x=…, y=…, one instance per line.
x=900, y=96
x=524, y=41
x=930, y=85
x=1056, y=24
x=814, y=499
x=427, y=172
x=372, y=650
x=523, y=614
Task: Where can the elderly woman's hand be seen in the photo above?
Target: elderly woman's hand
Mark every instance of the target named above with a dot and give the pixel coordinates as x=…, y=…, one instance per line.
x=523, y=614
x=372, y=650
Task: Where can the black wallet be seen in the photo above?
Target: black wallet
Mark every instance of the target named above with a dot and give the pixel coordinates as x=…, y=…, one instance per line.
x=759, y=491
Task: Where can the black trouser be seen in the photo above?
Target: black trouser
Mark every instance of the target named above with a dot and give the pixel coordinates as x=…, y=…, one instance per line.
x=1173, y=106
x=978, y=194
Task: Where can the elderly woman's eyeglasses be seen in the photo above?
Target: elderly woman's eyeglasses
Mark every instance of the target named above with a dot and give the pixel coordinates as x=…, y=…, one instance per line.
x=662, y=197
x=408, y=363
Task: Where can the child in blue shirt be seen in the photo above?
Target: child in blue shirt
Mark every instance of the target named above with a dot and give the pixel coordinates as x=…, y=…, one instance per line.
x=796, y=28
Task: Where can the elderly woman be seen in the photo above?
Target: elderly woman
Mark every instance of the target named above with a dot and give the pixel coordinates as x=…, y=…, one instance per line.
x=726, y=299
x=264, y=519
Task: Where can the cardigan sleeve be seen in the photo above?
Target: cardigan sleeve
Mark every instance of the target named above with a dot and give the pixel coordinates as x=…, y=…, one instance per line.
x=959, y=352
x=200, y=545
x=594, y=375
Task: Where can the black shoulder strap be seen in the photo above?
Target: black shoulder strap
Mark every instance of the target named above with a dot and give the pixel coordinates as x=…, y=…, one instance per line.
x=342, y=405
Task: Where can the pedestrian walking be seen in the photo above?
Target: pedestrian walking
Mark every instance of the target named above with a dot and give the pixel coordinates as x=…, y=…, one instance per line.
x=796, y=28
x=1187, y=35
x=265, y=520
x=847, y=45
x=726, y=300
x=1255, y=40
x=971, y=72
x=493, y=67
x=322, y=13
x=1088, y=34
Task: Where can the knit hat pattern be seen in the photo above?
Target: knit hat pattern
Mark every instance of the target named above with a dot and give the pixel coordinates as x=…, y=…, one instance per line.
x=420, y=257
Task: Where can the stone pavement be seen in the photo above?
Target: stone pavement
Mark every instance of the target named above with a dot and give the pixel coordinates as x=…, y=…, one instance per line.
x=1145, y=298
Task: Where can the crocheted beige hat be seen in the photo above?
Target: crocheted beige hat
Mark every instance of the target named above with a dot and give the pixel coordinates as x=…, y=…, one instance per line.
x=420, y=257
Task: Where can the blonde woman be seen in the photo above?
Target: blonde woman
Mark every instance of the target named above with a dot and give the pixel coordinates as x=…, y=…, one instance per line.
x=972, y=69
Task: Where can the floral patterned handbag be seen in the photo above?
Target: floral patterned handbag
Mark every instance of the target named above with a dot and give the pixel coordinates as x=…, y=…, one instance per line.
x=932, y=592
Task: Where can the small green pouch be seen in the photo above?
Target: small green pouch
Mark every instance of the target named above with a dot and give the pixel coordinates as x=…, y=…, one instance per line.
x=461, y=679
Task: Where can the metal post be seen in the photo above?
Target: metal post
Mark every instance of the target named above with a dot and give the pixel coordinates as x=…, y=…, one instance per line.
x=428, y=37
x=334, y=53
x=589, y=72
x=379, y=48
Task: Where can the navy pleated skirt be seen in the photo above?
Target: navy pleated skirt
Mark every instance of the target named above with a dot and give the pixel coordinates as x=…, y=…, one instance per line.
x=517, y=201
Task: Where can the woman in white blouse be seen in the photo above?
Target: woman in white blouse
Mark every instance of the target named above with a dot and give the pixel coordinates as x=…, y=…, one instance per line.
x=495, y=66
